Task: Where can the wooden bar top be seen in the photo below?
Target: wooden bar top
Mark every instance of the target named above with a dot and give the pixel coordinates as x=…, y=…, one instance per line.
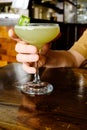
x=64, y=109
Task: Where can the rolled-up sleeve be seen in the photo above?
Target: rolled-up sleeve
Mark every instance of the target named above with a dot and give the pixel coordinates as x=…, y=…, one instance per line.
x=81, y=45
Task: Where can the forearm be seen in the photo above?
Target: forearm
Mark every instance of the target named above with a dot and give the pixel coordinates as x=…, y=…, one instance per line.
x=60, y=59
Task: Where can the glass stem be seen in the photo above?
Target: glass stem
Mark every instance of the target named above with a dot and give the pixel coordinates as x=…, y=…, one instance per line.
x=36, y=75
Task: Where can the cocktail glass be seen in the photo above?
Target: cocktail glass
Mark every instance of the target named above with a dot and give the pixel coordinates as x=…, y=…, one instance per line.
x=37, y=34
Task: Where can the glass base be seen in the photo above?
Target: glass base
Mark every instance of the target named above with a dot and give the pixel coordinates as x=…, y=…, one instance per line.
x=40, y=88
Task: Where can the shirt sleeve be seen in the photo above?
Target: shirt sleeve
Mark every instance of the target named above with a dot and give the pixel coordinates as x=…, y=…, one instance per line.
x=81, y=45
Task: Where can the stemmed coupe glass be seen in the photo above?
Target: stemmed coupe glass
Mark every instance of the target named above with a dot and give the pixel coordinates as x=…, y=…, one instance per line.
x=37, y=34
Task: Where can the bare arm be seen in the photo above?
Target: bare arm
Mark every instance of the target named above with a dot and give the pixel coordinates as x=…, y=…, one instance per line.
x=63, y=58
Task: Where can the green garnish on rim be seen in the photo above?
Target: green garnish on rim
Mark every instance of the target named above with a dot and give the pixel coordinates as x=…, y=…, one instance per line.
x=23, y=21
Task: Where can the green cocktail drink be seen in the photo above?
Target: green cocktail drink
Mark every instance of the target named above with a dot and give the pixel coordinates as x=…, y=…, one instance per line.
x=37, y=34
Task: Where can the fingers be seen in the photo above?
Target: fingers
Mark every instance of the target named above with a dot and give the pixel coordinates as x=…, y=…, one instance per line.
x=28, y=68
x=21, y=47
x=27, y=54
x=27, y=57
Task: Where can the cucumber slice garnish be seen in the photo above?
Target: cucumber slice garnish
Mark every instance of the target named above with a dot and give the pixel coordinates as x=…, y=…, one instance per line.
x=23, y=20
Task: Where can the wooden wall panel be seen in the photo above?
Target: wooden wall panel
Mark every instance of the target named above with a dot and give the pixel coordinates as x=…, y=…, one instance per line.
x=7, y=47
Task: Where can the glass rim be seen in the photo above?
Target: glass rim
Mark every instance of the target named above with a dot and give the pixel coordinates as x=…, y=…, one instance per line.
x=39, y=24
